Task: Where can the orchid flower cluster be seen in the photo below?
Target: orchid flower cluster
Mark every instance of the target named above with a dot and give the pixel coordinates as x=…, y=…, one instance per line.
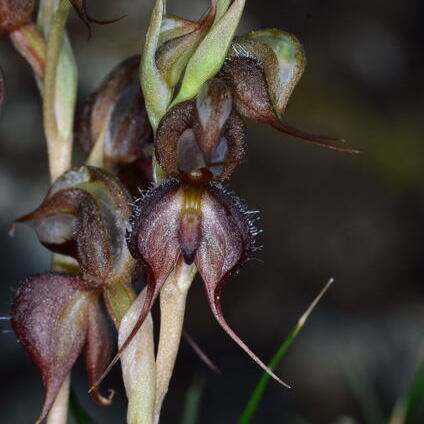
x=171, y=123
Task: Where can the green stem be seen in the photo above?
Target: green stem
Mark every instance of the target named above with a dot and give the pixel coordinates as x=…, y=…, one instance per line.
x=59, y=147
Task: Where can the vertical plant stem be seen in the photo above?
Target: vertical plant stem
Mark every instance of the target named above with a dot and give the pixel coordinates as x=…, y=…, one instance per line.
x=172, y=308
x=52, y=21
x=138, y=365
x=59, y=411
x=59, y=144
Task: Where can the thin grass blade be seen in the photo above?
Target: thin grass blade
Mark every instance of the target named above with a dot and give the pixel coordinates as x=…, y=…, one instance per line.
x=252, y=404
x=192, y=401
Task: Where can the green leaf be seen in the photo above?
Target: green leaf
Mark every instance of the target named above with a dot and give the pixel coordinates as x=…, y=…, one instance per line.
x=416, y=393
x=259, y=390
x=363, y=391
x=210, y=54
x=157, y=94
x=406, y=406
x=192, y=401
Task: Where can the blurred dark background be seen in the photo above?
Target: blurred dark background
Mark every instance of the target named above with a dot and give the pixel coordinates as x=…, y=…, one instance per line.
x=357, y=218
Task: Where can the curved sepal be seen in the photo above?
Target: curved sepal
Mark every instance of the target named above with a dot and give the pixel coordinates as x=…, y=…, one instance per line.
x=97, y=350
x=48, y=316
x=227, y=240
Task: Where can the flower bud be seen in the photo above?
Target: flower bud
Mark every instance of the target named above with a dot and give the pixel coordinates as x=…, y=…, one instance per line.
x=262, y=70
x=204, y=134
x=115, y=118
x=83, y=205
x=15, y=13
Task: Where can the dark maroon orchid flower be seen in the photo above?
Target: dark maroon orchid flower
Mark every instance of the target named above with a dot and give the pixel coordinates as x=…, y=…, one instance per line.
x=191, y=217
x=204, y=224
x=56, y=316
x=82, y=206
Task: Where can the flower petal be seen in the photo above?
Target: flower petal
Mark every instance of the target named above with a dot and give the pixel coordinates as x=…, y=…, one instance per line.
x=227, y=240
x=48, y=316
x=97, y=350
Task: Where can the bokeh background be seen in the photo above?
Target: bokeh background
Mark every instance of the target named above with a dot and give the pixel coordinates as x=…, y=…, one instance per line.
x=357, y=218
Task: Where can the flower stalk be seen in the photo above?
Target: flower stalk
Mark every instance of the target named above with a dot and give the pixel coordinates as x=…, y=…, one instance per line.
x=59, y=411
x=172, y=309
